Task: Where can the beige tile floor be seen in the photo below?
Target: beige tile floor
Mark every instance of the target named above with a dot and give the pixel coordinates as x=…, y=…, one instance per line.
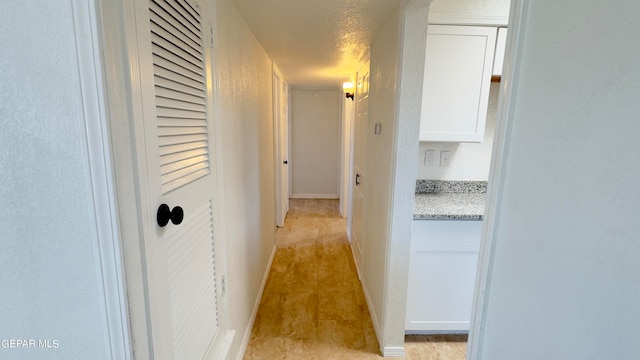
x=313, y=306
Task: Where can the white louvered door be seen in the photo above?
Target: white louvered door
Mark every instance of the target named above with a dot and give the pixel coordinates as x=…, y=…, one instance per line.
x=176, y=91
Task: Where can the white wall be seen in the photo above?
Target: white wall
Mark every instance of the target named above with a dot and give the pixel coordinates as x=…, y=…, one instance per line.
x=468, y=161
x=315, y=141
x=51, y=289
x=383, y=99
x=244, y=119
x=397, y=65
x=563, y=274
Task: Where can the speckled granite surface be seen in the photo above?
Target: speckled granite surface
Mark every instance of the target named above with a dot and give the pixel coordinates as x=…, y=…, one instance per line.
x=449, y=200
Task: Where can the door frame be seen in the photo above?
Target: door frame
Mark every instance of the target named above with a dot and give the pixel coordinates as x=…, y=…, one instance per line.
x=277, y=107
x=108, y=249
x=122, y=95
x=518, y=15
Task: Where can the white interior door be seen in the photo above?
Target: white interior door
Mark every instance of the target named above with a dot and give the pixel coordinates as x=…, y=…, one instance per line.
x=360, y=175
x=284, y=146
x=181, y=255
x=348, y=116
x=281, y=122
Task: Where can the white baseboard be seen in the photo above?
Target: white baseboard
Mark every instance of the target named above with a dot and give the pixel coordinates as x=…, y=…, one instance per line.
x=393, y=351
x=355, y=262
x=247, y=332
x=315, y=196
x=374, y=318
x=388, y=351
x=222, y=346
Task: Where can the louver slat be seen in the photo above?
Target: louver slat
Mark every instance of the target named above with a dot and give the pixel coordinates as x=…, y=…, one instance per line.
x=181, y=105
x=163, y=85
x=185, y=172
x=177, y=113
x=182, y=155
x=171, y=13
x=179, y=55
x=180, y=85
x=158, y=17
x=172, y=122
x=177, y=131
x=195, y=12
x=169, y=33
x=183, y=164
x=168, y=60
x=184, y=179
x=182, y=139
x=175, y=76
x=172, y=94
x=172, y=149
x=179, y=8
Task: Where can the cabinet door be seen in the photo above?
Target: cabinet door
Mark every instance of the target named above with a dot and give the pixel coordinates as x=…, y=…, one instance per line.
x=501, y=45
x=457, y=78
x=442, y=273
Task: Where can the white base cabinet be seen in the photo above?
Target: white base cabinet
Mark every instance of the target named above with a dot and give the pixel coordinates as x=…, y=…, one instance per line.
x=442, y=273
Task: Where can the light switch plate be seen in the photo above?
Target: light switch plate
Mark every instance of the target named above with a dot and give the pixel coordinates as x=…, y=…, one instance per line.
x=430, y=158
x=445, y=157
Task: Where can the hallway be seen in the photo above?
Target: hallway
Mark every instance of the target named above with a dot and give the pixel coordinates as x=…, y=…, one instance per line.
x=313, y=306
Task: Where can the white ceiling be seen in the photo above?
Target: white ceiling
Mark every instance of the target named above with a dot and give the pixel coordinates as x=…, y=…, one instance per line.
x=316, y=44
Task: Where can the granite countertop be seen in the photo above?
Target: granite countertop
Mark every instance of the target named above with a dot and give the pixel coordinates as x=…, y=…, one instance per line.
x=449, y=200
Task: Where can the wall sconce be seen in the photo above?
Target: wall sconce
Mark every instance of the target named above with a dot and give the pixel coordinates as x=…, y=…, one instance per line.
x=348, y=90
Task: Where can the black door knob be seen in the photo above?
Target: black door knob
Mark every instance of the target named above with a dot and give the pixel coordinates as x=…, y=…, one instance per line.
x=285, y=162
x=165, y=214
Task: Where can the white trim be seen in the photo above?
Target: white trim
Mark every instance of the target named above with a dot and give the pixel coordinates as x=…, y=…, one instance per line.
x=221, y=346
x=108, y=252
x=468, y=19
x=315, y=196
x=219, y=222
x=506, y=107
x=374, y=319
x=276, y=101
x=221, y=349
x=119, y=53
x=244, y=342
x=436, y=332
x=289, y=138
x=393, y=351
x=353, y=254
x=438, y=326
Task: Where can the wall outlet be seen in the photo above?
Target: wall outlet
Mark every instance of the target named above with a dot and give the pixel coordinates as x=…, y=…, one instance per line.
x=445, y=157
x=430, y=157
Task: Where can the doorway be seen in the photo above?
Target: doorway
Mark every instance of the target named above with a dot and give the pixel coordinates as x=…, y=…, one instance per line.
x=281, y=143
x=315, y=142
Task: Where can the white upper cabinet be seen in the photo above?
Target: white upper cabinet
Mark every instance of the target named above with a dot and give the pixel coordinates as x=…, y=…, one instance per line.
x=457, y=78
x=501, y=46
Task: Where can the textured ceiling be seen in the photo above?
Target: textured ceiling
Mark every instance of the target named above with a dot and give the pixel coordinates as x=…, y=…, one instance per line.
x=316, y=44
